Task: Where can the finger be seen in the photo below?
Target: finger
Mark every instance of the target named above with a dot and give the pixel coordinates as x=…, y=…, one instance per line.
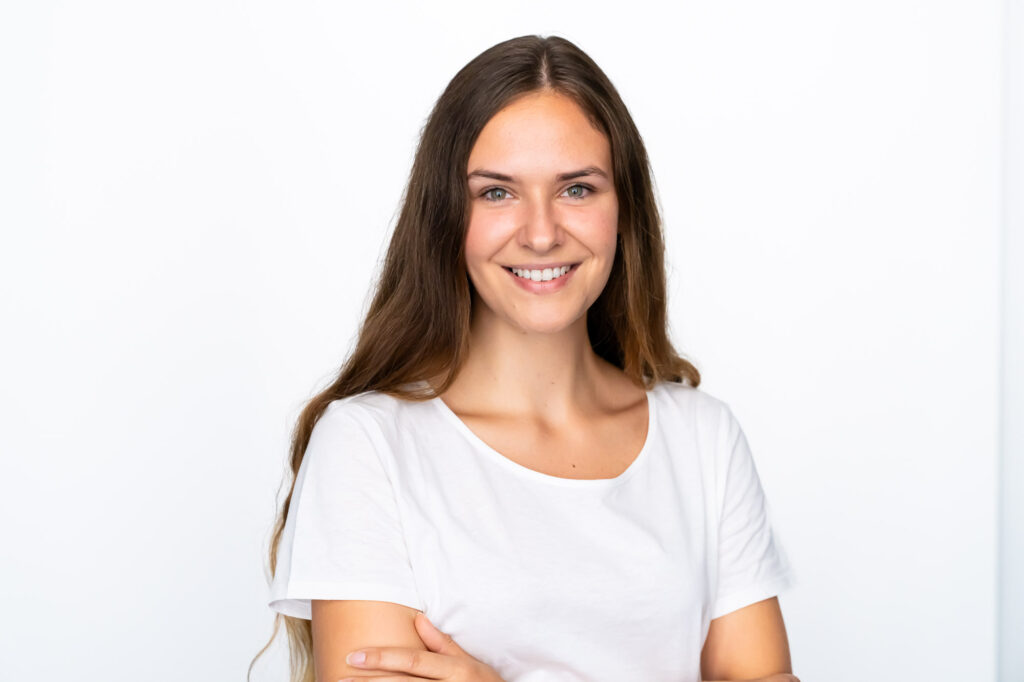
x=435, y=639
x=401, y=659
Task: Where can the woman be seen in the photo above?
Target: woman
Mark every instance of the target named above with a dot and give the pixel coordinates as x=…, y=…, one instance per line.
x=514, y=476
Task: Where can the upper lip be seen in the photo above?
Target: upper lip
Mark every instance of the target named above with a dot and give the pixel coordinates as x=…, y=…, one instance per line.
x=539, y=266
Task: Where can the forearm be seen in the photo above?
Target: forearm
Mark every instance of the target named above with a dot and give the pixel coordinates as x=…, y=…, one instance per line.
x=780, y=677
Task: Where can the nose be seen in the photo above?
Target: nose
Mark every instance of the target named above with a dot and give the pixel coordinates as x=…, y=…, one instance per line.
x=541, y=229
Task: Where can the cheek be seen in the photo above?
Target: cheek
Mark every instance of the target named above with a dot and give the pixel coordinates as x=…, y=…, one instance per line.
x=485, y=236
x=601, y=232
x=475, y=240
x=487, y=233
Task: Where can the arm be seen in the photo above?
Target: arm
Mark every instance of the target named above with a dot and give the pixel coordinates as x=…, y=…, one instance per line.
x=742, y=645
x=342, y=626
x=748, y=644
x=781, y=677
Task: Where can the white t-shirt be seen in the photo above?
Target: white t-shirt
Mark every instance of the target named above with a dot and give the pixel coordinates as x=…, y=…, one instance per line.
x=540, y=577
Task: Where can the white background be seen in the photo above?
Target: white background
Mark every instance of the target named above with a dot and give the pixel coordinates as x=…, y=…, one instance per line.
x=194, y=197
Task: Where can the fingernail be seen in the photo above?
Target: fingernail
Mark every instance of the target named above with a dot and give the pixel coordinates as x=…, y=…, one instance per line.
x=356, y=657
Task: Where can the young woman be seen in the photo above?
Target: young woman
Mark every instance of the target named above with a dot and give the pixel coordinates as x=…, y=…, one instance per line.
x=514, y=476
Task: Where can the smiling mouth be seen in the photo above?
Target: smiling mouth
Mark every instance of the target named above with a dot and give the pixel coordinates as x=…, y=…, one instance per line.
x=540, y=278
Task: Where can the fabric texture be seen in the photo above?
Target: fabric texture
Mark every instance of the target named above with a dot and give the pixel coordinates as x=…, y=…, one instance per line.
x=540, y=577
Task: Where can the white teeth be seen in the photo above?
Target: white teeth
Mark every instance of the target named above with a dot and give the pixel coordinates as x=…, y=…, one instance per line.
x=542, y=275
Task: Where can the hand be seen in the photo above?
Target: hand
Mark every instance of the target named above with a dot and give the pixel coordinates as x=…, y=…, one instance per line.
x=445, y=659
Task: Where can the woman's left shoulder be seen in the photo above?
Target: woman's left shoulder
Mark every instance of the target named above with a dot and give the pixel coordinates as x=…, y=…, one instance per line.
x=684, y=393
x=692, y=405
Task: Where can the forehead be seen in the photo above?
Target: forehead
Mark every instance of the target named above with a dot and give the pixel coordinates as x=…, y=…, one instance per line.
x=540, y=134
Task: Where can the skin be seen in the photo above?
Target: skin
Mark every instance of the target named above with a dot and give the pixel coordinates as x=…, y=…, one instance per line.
x=748, y=644
x=532, y=386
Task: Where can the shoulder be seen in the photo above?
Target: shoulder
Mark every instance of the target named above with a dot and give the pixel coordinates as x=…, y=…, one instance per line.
x=373, y=415
x=695, y=405
x=692, y=415
x=363, y=407
x=360, y=432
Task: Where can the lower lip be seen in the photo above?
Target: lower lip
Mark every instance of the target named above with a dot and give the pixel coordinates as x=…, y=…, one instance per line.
x=543, y=287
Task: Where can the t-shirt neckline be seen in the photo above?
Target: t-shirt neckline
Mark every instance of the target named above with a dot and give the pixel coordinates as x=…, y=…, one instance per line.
x=526, y=472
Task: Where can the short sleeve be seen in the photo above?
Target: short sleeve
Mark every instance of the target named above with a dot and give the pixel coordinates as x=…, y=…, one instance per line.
x=752, y=565
x=343, y=535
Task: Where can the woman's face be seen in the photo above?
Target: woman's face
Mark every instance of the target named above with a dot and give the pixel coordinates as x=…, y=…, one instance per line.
x=542, y=195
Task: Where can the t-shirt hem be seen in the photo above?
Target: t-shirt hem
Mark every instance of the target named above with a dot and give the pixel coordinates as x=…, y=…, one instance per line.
x=752, y=594
x=296, y=599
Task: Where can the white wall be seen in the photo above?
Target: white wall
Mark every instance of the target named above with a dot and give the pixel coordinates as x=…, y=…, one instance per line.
x=194, y=197
x=1010, y=588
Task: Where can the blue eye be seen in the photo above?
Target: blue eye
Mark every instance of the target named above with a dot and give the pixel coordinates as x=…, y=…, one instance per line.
x=487, y=192
x=581, y=196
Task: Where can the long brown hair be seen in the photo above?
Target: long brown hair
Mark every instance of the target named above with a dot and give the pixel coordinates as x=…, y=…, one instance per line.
x=417, y=325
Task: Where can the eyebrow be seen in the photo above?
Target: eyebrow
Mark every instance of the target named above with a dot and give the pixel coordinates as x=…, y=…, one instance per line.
x=583, y=172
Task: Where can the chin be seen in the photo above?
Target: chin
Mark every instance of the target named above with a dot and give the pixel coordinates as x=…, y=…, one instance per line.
x=555, y=326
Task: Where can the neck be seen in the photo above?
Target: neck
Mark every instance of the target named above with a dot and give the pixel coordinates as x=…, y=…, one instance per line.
x=550, y=376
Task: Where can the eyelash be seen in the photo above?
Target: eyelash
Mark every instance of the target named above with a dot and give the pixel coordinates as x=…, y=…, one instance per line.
x=487, y=191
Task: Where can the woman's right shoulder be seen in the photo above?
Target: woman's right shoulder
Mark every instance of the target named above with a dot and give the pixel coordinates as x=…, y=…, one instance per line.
x=377, y=420
x=373, y=410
